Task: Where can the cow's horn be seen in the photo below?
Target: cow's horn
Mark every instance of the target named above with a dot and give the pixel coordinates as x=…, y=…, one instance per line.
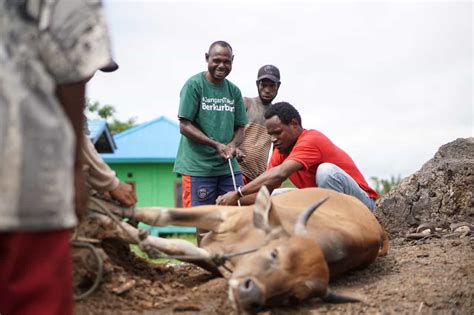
x=300, y=224
x=333, y=297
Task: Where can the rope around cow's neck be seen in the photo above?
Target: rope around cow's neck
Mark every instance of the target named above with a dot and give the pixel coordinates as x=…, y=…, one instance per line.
x=233, y=178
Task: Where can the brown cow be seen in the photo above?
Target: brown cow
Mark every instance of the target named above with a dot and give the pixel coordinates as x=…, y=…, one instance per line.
x=297, y=251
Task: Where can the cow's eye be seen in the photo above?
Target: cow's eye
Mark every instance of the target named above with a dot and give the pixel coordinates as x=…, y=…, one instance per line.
x=274, y=253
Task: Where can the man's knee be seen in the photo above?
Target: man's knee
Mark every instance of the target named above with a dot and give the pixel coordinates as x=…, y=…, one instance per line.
x=325, y=174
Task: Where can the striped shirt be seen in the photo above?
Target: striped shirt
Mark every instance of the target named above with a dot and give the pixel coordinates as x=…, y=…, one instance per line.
x=257, y=143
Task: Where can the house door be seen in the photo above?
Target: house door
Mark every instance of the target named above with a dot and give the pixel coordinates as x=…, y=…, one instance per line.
x=178, y=193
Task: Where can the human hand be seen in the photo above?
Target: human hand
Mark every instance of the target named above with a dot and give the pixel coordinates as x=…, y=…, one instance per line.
x=224, y=151
x=124, y=194
x=228, y=199
x=239, y=155
x=232, y=150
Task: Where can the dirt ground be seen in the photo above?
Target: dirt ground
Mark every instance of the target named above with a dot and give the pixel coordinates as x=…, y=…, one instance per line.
x=434, y=275
x=428, y=270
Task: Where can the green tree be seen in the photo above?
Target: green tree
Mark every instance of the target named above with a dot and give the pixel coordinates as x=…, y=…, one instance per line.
x=383, y=186
x=108, y=112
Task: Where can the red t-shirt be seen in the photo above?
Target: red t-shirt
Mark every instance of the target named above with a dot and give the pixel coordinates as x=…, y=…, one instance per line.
x=313, y=148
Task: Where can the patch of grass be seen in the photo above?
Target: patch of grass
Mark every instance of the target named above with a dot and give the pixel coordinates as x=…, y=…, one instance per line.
x=287, y=184
x=187, y=237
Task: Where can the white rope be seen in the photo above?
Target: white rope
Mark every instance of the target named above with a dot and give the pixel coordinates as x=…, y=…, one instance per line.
x=233, y=179
x=270, y=154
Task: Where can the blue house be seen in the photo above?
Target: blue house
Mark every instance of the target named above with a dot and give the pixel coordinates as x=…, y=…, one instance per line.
x=100, y=135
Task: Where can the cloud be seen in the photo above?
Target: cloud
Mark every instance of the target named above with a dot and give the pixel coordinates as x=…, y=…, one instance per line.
x=389, y=82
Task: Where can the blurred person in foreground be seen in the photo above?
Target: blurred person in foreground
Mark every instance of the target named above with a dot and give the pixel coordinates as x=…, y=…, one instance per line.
x=48, y=50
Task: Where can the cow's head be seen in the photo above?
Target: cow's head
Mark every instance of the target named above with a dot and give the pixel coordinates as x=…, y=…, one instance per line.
x=288, y=265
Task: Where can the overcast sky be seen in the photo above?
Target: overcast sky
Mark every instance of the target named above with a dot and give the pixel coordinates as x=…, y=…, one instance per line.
x=388, y=82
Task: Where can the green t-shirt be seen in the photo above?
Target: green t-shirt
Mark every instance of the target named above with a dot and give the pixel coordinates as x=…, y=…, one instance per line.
x=216, y=110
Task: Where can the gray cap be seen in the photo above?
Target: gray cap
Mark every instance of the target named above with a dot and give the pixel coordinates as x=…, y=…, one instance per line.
x=269, y=72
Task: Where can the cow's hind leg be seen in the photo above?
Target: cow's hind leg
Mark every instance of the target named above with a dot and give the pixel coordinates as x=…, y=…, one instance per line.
x=207, y=217
x=203, y=217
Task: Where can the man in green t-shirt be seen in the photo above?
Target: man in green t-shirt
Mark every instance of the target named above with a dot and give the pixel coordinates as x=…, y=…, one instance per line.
x=212, y=119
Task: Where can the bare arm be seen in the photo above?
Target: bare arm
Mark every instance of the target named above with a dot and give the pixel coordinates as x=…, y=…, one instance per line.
x=247, y=101
x=187, y=129
x=271, y=178
x=101, y=177
x=72, y=98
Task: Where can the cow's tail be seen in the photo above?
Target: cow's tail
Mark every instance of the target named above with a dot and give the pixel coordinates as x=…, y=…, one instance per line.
x=333, y=297
x=384, y=244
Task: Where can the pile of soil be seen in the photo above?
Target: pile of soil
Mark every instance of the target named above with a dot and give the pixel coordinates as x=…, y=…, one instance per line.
x=430, y=273
x=440, y=194
x=133, y=285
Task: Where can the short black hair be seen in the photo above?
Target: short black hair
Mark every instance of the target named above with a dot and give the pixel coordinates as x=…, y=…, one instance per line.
x=285, y=112
x=222, y=44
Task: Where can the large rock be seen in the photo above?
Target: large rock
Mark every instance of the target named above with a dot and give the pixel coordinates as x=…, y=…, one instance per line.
x=440, y=193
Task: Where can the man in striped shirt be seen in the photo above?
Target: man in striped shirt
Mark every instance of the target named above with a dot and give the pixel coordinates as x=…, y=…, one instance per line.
x=253, y=153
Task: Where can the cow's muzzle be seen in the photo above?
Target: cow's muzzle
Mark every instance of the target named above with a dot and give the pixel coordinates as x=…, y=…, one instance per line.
x=249, y=295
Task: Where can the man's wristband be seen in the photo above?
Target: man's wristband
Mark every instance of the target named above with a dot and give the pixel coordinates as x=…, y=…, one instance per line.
x=239, y=190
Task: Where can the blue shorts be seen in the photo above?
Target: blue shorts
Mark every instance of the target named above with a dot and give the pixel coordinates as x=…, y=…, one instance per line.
x=206, y=189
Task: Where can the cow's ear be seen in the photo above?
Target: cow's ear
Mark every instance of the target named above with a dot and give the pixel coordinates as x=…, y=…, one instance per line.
x=263, y=216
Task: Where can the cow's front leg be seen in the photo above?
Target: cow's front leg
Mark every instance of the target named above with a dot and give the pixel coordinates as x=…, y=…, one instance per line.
x=187, y=251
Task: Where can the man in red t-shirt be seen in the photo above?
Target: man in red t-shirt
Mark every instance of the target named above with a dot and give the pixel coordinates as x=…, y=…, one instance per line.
x=307, y=157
